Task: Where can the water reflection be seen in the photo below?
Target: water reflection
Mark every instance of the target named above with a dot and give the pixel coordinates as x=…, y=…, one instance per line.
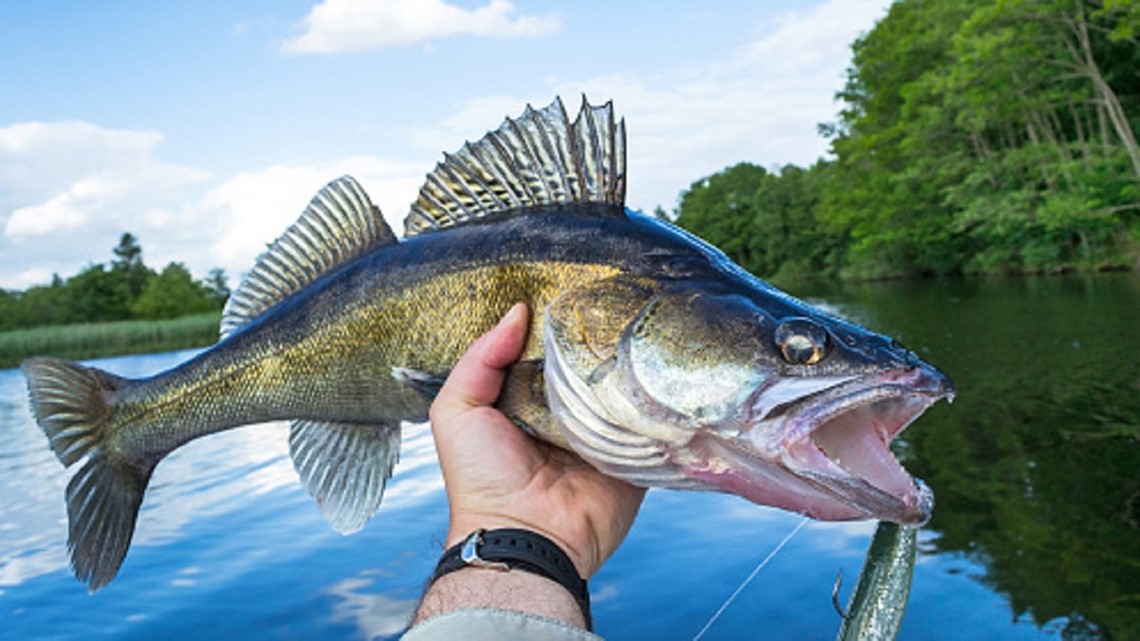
x=374, y=615
x=1034, y=467
x=31, y=512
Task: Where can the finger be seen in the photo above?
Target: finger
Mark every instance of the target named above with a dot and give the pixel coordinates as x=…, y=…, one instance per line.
x=506, y=340
x=478, y=376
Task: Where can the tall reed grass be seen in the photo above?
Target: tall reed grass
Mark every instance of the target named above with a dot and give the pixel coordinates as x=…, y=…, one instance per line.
x=96, y=340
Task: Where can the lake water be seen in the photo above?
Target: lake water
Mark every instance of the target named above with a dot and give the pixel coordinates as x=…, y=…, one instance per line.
x=1035, y=534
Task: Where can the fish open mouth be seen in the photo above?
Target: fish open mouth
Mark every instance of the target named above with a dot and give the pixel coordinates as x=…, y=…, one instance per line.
x=830, y=455
x=844, y=443
x=857, y=441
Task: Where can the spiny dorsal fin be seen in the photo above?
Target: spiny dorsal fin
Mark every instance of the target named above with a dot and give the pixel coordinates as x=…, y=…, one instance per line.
x=339, y=224
x=539, y=159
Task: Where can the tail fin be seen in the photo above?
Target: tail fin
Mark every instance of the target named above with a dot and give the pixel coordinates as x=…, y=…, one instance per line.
x=73, y=405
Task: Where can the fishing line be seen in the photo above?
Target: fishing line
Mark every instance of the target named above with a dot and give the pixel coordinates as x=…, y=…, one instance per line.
x=732, y=597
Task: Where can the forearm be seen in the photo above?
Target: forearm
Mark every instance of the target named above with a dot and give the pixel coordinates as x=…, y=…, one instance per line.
x=507, y=590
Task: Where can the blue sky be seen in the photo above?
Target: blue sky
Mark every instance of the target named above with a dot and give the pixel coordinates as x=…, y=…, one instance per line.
x=204, y=128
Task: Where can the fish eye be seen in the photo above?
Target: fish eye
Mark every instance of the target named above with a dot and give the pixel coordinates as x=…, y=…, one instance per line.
x=801, y=341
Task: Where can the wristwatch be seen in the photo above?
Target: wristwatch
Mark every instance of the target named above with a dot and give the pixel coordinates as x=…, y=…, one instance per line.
x=516, y=549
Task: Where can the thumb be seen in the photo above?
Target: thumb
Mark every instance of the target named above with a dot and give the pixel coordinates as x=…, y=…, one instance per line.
x=478, y=376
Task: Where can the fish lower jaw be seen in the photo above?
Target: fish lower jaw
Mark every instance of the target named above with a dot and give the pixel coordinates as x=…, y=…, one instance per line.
x=908, y=501
x=818, y=496
x=726, y=466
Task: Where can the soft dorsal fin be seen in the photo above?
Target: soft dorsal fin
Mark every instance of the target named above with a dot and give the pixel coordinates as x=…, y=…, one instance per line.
x=340, y=224
x=539, y=159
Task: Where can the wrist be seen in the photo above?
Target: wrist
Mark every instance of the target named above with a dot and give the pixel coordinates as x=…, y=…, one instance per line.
x=462, y=527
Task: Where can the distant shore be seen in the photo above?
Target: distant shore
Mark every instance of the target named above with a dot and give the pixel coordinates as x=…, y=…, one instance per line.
x=97, y=340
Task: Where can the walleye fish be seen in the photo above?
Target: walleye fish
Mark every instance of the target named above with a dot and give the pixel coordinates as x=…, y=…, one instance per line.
x=650, y=354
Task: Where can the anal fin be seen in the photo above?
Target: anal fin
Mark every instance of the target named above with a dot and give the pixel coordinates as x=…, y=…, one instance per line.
x=344, y=466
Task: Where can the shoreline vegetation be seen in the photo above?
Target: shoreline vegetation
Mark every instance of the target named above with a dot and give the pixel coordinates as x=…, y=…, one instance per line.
x=115, y=338
x=973, y=137
x=111, y=310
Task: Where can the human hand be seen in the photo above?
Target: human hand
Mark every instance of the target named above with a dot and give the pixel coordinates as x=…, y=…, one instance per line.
x=498, y=476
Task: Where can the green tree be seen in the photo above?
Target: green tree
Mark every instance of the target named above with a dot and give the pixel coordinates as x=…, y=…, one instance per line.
x=765, y=220
x=44, y=305
x=94, y=295
x=720, y=209
x=893, y=152
x=128, y=265
x=172, y=293
x=217, y=286
x=9, y=310
x=1055, y=156
x=789, y=242
x=125, y=289
x=986, y=135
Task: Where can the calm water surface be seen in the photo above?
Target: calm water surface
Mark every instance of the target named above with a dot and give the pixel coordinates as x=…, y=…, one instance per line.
x=1035, y=535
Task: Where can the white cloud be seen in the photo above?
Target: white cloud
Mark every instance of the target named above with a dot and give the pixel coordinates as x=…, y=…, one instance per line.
x=62, y=212
x=74, y=175
x=69, y=189
x=37, y=157
x=761, y=103
x=254, y=208
x=343, y=26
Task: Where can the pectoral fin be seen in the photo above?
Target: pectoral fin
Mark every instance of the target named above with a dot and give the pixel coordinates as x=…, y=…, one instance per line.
x=422, y=382
x=345, y=466
x=523, y=399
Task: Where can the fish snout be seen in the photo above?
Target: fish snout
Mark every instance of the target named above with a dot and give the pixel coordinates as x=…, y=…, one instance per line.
x=933, y=382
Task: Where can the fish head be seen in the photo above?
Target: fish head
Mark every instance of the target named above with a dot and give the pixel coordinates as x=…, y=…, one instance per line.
x=699, y=385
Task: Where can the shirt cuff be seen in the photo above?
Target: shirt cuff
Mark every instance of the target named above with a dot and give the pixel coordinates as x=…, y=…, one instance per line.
x=491, y=624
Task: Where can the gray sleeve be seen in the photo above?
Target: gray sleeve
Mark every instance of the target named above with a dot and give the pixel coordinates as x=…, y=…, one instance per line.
x=490, y=624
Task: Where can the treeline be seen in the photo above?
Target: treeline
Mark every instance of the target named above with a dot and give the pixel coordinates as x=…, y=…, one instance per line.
x=975, y=136
x=124, y=289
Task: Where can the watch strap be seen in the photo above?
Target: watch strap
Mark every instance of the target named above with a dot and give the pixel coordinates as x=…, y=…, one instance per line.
x=512, y=548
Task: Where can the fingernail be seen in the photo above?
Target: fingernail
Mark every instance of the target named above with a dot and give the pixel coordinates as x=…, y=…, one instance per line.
x=513, y=314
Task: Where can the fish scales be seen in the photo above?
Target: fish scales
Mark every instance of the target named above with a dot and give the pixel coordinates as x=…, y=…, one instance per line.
x=328, y=354
x=650, y=355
